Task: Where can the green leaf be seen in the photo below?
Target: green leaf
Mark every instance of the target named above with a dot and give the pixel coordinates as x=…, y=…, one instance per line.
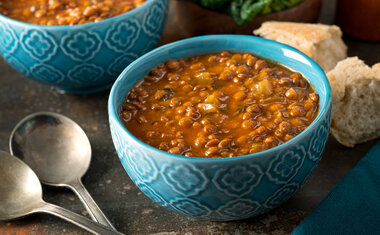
x=243, y=11
x=277, y=5
x=212, y=4
x=267, y=9
x=169, y=90
x=290, y=3
x=241, y=108
x=168, y=94
x=216, y=86
x=165, y=97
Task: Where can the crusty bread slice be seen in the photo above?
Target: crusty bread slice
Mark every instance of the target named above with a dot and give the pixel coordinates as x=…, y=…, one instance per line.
x=322, y=43
x=356, y=101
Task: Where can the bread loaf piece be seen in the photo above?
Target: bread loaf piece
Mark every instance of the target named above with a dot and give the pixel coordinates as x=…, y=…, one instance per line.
x=322, y=43
x=356, y=101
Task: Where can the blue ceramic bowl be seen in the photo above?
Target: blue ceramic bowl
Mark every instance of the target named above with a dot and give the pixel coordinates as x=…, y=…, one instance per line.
x=225, y=188
x=82, y=58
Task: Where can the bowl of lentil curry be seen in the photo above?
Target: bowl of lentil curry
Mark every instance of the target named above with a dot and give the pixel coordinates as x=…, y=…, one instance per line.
x=78, y=46
x=220, y=127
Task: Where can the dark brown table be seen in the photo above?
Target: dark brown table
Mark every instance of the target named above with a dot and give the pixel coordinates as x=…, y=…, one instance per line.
x=127, y=208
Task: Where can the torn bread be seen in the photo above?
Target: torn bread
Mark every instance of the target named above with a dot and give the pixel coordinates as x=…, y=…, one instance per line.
x=356, y=101
x=322, y=43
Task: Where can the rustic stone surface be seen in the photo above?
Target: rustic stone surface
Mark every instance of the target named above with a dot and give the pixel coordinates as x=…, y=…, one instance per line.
x=127, y=208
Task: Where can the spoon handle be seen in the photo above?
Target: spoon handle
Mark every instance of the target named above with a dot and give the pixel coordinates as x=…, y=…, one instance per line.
x=76, y=219
x=91, y=206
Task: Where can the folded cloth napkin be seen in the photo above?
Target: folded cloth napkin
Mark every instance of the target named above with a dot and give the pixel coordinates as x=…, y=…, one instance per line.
x=353, y=206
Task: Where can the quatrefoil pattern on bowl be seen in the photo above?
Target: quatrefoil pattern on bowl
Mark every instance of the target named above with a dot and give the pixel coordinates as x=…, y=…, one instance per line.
x=156, y=197
x=317, y=144
x=189, y=183
x=8, y=41
x=217, y=191
x=81, y=46
x=185, y=179
x=152, y=17
x=116, y=138
x=85, y=73
x=238, y=180
x=142, y=166
x=239, y=208
x=189, y=207
x=120, y=37
x=39, y=44
x=286, y=165
x=307, y=177
x=47, y=74
x=281, y=195
x=151, y=45
x=16, y=64
x=121, y=62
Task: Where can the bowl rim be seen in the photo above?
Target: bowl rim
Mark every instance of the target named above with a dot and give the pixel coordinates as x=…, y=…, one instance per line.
x=323, y=109
x=78, y=26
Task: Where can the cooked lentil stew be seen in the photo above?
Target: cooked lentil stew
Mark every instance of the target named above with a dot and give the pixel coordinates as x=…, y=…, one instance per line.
x=65, y=12
x=219, y=105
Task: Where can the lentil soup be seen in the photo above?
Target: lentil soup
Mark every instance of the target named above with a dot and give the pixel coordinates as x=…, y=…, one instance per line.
x=65, y=12
x=219, y=105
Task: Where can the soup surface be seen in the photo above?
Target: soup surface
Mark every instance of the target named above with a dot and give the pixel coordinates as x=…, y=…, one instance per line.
x=65, y=12
x=219, y=105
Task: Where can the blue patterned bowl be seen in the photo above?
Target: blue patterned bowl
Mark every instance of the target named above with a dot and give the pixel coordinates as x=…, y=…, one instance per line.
x=82, y=58
x=225, y=188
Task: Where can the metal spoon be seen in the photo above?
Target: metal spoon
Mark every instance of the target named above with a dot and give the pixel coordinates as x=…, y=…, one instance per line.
x=21, y=195
x=59, y=152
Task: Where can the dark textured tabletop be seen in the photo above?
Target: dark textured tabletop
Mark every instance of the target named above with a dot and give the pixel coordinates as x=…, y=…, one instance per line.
x=129, y=209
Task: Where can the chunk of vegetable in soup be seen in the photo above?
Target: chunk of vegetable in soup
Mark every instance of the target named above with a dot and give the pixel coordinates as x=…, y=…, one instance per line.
x=219, y=105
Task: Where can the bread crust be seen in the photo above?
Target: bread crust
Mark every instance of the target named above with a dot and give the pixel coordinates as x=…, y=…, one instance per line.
x=323, y=43
x=356, y=101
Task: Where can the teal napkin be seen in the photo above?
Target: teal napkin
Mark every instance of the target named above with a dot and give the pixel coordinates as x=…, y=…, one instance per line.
x=353, y=206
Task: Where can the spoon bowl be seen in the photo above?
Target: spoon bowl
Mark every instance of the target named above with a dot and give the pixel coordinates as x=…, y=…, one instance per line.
x=54, y=146
x=21, y=195
x=20, y=189
x=59, y=152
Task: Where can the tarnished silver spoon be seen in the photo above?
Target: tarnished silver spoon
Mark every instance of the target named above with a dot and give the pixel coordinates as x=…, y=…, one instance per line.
x=59, y=152
x=21, y=195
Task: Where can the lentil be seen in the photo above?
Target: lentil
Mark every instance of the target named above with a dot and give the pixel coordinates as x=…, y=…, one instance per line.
x=65, y=12
x=219, y=105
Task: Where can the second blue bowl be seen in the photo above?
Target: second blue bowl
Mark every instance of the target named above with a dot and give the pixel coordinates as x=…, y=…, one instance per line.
x=82, y=58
